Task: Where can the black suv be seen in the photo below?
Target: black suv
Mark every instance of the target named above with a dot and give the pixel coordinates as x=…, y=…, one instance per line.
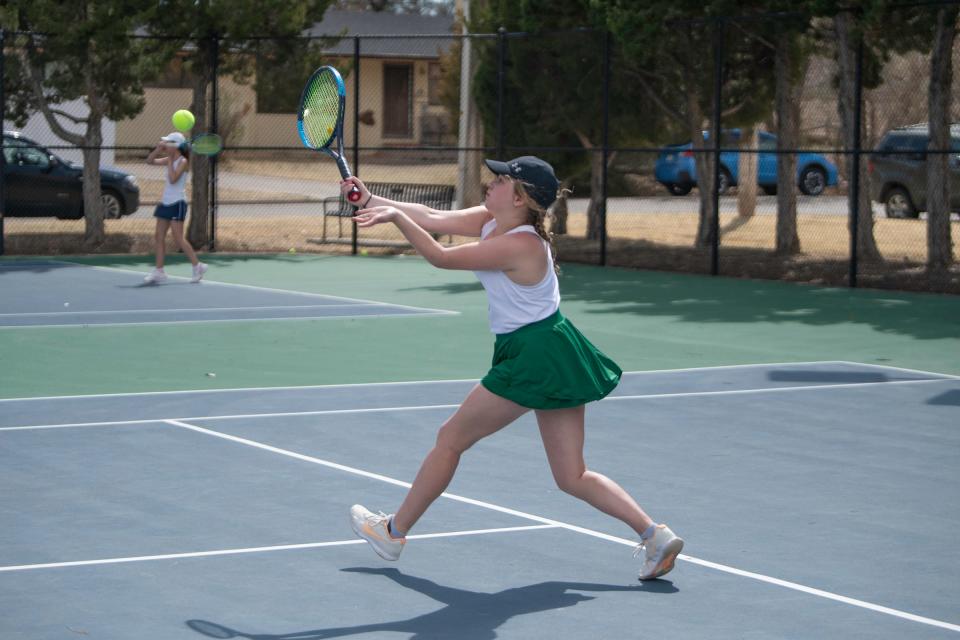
x=39, y=183
x=898, y=171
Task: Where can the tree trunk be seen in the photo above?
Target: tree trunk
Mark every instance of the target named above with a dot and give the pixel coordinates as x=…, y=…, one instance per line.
x=846, y=60
x=596, y=195
x=94, y=232
x=594, y=226
x=788, y=125
x=939, y=242
x=90, y=141
x=560, y=212
x=747, y=173
x=198, y=231
x=703, y=159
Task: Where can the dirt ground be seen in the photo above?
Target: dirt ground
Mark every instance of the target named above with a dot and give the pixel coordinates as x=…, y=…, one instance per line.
x=648, y=241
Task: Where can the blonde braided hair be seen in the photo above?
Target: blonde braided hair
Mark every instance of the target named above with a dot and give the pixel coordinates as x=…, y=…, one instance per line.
x=537, y=218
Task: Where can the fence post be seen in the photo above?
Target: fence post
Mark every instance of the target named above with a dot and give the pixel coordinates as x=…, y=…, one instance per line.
x=606, y=147
x=354, y=240
x=855, y=178
x=214, y=107
x=3, y=115
x=501, y=54
x=718, y=35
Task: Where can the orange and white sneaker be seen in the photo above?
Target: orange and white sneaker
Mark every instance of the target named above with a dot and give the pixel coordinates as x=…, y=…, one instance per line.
x=373, y=528
x=661, y=551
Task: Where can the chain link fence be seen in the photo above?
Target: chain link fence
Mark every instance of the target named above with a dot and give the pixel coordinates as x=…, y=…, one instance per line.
x=650, y=184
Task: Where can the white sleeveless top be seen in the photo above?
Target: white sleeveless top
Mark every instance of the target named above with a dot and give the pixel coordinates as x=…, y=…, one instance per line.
x=513, y=305
x=174, y=191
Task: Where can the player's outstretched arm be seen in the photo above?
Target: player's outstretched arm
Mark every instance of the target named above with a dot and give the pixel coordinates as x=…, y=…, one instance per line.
x=503, y=253
x=460, y=222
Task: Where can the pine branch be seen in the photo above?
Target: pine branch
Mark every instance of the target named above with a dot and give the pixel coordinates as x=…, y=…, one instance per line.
x=33, y=77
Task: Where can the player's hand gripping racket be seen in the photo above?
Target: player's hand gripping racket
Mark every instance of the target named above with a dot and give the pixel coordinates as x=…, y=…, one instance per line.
x=320, y=118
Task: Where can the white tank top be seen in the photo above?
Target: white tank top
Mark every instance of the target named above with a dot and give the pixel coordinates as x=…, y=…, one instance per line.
x=513, y=305
x=174, y=191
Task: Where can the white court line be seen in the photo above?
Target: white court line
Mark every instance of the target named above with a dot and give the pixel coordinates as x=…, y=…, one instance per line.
x=284, y=547
x=403, y=382
x=151, y=323
x=257, y=288
x=563, y=525
x=135, y=394
x=121, y=311
x=893, y=368
x=425, y=407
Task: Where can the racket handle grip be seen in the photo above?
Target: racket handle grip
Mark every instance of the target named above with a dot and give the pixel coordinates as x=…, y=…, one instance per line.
x=354, y=194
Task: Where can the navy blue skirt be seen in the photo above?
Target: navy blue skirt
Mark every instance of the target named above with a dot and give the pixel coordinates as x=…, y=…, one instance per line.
x=176, y=211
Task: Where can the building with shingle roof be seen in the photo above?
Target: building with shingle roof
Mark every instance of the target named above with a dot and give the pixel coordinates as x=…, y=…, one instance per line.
x=399, y=87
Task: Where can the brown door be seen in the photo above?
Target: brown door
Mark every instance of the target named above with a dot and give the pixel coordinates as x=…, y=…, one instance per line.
x=397, y=100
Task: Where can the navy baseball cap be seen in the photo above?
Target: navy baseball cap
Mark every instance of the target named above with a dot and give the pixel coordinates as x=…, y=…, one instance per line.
x=537, y=176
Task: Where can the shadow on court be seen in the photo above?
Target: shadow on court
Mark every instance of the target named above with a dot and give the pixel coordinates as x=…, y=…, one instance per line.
x=703, y=299
x=689, y=297
x=155, y=285
x=469, y=615
x=947, y=399
x=830, y=377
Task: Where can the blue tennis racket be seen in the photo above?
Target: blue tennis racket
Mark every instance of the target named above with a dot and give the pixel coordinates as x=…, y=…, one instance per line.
x=320, y=118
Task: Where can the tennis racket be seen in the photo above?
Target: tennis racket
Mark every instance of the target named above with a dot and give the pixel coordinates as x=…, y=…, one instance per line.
x=206, y=144
x=320, y=118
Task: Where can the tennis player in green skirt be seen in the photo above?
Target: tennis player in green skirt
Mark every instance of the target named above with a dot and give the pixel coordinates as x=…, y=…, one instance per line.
x=541, y=362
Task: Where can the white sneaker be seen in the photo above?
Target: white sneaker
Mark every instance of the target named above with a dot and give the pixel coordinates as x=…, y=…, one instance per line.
x=661, y=550
x=155, y=276
x=373, y=528
x=198, y=270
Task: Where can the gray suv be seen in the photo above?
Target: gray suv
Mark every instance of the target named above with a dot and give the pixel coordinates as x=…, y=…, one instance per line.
x=898, y=171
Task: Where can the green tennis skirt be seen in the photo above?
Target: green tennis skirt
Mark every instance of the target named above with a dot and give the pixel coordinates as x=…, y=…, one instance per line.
x=549, y=364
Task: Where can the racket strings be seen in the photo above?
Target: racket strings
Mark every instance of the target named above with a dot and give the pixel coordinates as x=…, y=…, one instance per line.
x=207, y=144
x=321, y=110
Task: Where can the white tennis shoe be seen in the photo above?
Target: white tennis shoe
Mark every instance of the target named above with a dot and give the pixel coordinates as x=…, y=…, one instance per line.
x=198, y=270
x=373, y=528
x=155, y=277
x=660, y=552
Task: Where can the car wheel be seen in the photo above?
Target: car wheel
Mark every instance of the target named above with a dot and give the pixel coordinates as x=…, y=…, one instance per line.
x=111, y=205
x=726, y=181
x=769, y=189
x=813, y=181
x=679, y=189
x=898, y=204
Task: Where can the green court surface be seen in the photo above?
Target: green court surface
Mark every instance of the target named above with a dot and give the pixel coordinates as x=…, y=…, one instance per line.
x=645, y=320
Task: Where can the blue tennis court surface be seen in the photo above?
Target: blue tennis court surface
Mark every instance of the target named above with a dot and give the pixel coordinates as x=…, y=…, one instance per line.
x=44, y=294
x=817, y=500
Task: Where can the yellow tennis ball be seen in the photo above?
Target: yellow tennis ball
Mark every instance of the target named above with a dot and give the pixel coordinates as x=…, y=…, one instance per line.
x=292, y=250
x=183, y=120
